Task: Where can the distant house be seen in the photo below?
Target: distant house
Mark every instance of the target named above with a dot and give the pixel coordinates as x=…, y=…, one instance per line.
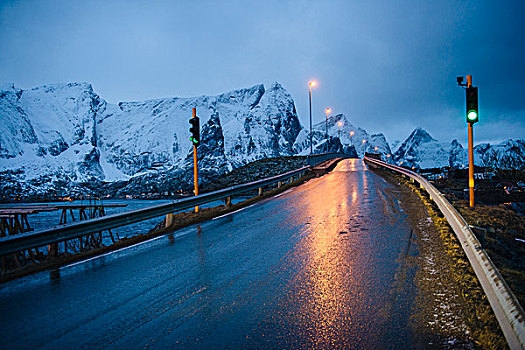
x=435, y=176
x=486, y=175
x=436, y=173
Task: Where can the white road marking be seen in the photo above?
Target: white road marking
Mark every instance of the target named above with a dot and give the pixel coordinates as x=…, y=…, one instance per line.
x=112, y=252
x=233, y=212
x=280, y=194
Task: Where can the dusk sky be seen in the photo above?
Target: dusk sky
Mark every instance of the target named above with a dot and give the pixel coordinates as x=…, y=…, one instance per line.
x=389, y=66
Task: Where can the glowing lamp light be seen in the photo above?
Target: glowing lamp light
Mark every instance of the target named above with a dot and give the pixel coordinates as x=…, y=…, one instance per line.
x=340, y=124
x=352, y=133
x=375, y=148
x=328, y=110
x=364, y=141
x=312, y=83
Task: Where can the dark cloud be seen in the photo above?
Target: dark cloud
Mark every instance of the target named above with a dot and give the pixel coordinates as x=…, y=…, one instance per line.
x=390, y=66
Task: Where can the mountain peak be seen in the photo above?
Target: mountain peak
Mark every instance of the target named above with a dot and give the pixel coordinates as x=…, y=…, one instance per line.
x=7, y=86
x=421, y=134
x=276, y=86
x=64, y=87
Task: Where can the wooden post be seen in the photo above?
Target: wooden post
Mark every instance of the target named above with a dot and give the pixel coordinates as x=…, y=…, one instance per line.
x=169, y=220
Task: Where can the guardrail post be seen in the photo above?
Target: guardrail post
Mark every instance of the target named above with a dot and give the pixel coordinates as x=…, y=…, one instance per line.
x=228, y=201
x=260, y=191
x=169, y=220
x=279, y=184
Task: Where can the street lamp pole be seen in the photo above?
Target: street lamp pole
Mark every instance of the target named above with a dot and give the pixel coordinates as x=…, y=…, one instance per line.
x=310, y=84
x=327, y=110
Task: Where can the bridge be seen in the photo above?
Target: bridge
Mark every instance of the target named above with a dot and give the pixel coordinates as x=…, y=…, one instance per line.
x=321, y=265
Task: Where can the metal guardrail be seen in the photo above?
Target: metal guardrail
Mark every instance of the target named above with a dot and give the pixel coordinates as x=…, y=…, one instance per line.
x=315, y=159
x=508, y=311
x=16, y=243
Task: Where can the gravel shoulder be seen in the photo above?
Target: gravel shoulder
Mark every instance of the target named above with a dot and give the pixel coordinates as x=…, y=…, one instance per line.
x=451, y=309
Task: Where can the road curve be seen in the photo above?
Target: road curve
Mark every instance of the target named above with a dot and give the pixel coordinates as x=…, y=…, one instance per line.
x=322, y=265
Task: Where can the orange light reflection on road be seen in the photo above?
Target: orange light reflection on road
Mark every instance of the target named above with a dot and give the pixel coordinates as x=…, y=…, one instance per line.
x=352, y=165
x=328, y=269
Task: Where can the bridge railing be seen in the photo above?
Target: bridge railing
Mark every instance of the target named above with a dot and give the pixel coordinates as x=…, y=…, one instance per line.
x=315, y=159
x=508, y=311
x=25, y=241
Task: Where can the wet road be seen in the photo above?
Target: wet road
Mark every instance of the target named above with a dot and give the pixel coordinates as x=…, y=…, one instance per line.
x=323, y=265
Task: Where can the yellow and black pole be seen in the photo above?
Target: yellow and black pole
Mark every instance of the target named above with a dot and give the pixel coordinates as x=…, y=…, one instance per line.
x=470, y=153
x=195, y=139
x=472, y=117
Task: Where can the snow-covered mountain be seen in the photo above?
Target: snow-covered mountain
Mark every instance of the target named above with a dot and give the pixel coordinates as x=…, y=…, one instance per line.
x=341, y=131
x=509, y=154
x=66, y=134
x=420, y=150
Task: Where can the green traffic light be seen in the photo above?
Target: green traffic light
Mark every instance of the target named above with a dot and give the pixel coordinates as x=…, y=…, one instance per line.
x=472, y=105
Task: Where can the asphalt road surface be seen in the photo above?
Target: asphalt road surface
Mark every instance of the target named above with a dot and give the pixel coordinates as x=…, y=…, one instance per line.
x=323, y=265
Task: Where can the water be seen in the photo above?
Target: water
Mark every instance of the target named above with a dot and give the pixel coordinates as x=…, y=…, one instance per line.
x=48, y=219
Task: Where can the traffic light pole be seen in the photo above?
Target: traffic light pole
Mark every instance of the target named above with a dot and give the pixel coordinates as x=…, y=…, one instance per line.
x=195, y=169
x=195, y=140
x=470, y=154
x=471, y=164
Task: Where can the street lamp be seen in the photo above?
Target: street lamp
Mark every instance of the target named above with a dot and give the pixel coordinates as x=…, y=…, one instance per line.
x=326, y=111
x=340, y=124
x=310, y=84
x=351, y=140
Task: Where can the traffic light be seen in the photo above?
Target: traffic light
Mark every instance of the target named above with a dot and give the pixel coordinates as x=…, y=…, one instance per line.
x=195, y=131
x=472, y=105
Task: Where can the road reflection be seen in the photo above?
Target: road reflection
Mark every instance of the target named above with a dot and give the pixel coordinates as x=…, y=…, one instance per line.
x=337, y=298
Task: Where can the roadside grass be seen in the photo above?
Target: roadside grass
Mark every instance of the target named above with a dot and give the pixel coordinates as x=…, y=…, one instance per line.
x=501, y=228
x=478, y=314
